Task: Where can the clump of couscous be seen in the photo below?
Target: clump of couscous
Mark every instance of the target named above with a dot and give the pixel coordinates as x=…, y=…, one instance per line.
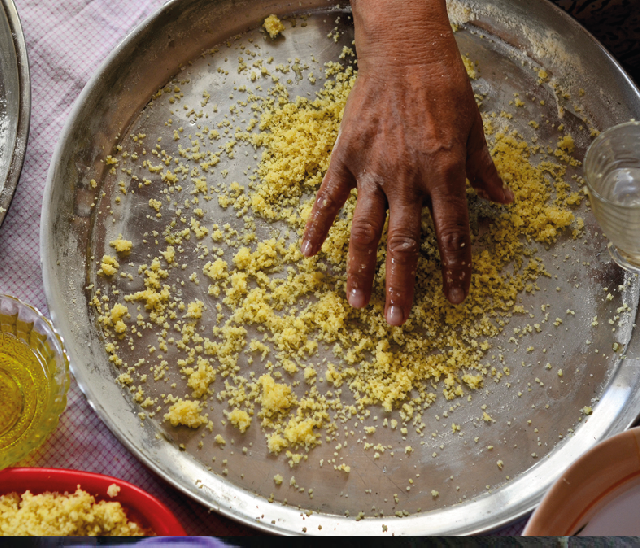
x=68, y=514
x=273, y=25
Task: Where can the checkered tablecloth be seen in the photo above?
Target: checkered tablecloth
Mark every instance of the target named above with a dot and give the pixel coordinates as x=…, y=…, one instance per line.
x=66, y=42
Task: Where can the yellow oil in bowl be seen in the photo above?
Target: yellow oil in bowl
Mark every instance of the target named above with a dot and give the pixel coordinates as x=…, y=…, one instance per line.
x=34, y=378
x=24, y=389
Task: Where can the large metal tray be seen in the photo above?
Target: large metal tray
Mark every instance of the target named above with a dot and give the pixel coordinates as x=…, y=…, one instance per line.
x=508, y=38
x=15, y=102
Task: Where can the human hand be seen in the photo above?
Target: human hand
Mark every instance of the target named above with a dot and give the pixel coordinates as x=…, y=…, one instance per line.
x=410, y=135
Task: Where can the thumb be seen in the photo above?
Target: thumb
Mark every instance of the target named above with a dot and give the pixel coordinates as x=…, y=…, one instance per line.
x=481, y=171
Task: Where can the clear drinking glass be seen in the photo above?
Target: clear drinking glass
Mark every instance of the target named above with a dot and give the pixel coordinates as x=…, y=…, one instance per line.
x=612, y=172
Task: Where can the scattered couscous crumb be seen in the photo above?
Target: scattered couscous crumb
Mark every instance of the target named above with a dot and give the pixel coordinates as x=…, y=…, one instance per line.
x=121, y=246
x=220, y=440
x=240, y=418
x=273, y=25
x=470, y=67
x=543, y=76
x=113, y=490
x=195, y=309
x=108, y=266
x=187, y=413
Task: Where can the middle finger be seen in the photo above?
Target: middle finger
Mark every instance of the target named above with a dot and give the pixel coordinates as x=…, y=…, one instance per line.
x=403, y=246
x=366, y=229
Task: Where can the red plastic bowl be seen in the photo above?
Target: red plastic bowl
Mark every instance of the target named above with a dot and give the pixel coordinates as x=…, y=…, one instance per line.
x=141, y=507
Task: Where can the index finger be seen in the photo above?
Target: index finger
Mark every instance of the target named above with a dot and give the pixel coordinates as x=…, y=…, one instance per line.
x=331, y=196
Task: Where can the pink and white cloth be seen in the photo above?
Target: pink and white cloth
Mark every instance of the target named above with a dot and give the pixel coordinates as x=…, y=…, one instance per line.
x=66, y=43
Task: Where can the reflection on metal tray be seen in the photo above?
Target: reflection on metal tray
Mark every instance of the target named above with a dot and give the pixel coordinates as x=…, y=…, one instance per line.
x=508, y=39
x=15, y=102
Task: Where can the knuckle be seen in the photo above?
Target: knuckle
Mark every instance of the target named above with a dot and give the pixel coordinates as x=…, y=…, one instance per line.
x=453, y=240
x=364, y=234
x=456, y=249
x=403, y=244
x=347, y=135
x=352, y=143
x=325, y=200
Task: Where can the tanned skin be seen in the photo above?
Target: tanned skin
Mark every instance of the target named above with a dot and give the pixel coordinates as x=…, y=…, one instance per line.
x=411, y=135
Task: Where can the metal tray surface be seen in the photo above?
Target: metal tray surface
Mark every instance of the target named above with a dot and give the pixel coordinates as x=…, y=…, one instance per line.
x=508, y=39
x=15, y=102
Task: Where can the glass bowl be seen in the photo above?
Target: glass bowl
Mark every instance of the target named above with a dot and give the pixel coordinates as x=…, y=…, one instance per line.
x=34, y=379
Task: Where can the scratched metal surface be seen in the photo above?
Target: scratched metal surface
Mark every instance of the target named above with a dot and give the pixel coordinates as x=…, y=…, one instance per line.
x=474, y=494
x=15, y=102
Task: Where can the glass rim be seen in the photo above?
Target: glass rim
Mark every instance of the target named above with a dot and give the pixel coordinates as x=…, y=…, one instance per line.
x=597, y=141
x=49, y=324
x=35, y=310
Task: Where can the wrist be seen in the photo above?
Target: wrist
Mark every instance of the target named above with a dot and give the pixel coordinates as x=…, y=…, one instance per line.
x=394, y=33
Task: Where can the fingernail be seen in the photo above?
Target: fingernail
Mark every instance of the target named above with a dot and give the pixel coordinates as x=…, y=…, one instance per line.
x=305, y=248
x=456, y=295
x=356, y=298
x=395, y=316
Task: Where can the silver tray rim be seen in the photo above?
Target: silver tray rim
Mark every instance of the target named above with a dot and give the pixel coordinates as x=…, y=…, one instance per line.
x=24, y=110
x=623, y=383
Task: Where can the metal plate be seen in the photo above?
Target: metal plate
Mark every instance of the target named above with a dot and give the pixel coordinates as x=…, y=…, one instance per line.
x=508, y=39
x=15, y=102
